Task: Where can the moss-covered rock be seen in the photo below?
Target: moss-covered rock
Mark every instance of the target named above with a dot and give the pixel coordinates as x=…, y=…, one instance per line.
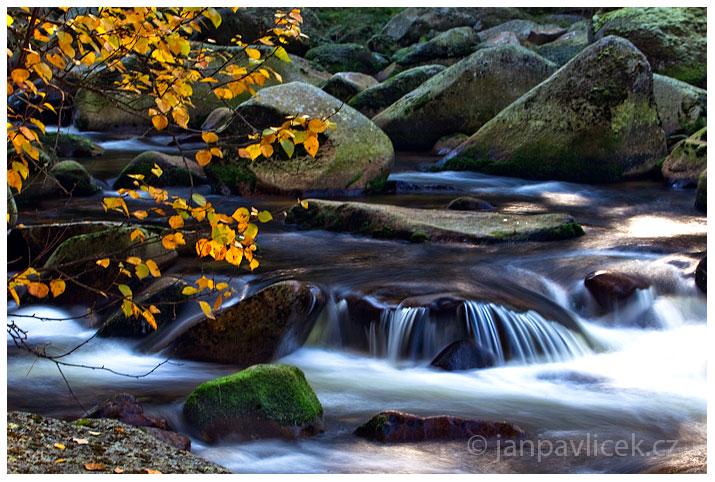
x=463, y=97
x=689, y=158
x=70, y=145
x=594, y=120
x=519, y=27
x=682, y=108
x=74, y=178
x=177, y=171
x=271, y=323
x=231, y=175
x=347, y=25
x=345, y=85
x=76, y=257
x=371, y=101
x=454, y=43
x=674, y=39
x=262, y=401
x=348, y=57
x=564, y=48
x=394, y=222
x=701, y=195
x=349, y=158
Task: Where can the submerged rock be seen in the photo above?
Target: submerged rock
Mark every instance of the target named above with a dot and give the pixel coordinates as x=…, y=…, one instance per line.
x=682, y=108
x=463, y=97
x=262, y=401
x=398, y=427
x=271, y=323
x=674, y=39
x=385, y=221
x=687, y=161
x=177, y=171
x=594, y=120
x=464, y=355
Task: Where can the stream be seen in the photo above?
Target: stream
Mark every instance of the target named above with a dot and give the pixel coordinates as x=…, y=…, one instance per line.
x=636, y=375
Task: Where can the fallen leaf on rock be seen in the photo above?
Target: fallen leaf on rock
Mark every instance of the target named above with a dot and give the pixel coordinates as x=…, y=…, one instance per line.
x=95, y=433
x=94, y=466
x=80, y=441
x=119, y=429
x=117, y=470
x=59, y=461
x=59, y=446
x=152, y=471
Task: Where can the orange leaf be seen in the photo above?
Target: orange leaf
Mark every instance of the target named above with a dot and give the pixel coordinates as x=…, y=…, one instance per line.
x=152, y=471
x=20, y=75
x=153, y=268
x=103, y=262
x=176, y=222
x=317, y=126
x=137, y=233
x=57, y=286
x=160, y=122
x=94, y=467
x=203, y=158
x=14, y=179
x=209, y=137
x=311, y=145
x=38, y=290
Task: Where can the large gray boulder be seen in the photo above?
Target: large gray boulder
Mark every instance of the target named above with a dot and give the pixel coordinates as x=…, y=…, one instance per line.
x=348, y=57
x=682, y=107
x=674, y=39
x=463, y=97
x=350, y=158
x=594, y=120
x=565, y=47
x=455, y=43
x=345, y=85
x=683, y=166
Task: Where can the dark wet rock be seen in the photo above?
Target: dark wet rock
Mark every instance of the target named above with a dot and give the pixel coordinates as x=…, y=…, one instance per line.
x=687, y=161
x=351, y=157
x=445, y=144
x=674, y=39
x=74, y=178
x=452, y=44
x=564, y=48
x=271, y=323
x=115, y=445
x=688, y=461
x=385, y=221
x=701, y=195
x=464, y=355
x=70, y=145
x=543, y=36
x=464, y=97
x=262, y=401
x=612, y=288
x=348, y=57
x=398, y=427
x=374, y=99
x=345, y=85
x=682, y=108
x=177, y=171
x=594, y=120
x=467, y=203
x=701, y=275
x=218, y=120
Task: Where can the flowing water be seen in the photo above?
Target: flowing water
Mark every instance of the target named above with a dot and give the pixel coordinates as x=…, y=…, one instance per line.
x=565, y=372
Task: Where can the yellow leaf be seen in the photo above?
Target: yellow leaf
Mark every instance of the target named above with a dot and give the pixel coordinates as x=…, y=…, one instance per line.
x=44, y=71
x=218, y=302
x=117, y=470
x=221, y=286
x=115, y=203
x=266, y=150
x=38, y=290
x=57, y=286
x=126, y=291
x=204, y=283
x=94, y=467
x=254, y=264
x=317, y=126
x=251, y=231
x=137, y=233
x=134, y=260
x=60, y=461
x=153, y=268
x=105, y=262
x=254, y=150
x=160, y=122
x=181, y=116
x=14, y=180
x=189, y=290
x=303, y=203
x=157, y=170
x=206, y=309
x=311, y=145
x=152, y=471
x=234, y=256
x=253, y=53
x=149, y=317
x=264, y=216
x=209, y=137
x=20, y=75
x=176, y=222
x=214, y=16
x=10, y=20
x=59, y=446
x=215, y=151
x=203, y=158
x=140, y=214
x=281, y=54
x=241, y=215
x=39, y=124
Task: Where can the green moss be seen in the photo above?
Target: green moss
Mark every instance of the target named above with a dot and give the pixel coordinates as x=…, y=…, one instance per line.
x=354, y=179
x=385, y=232
x=268, y=392
x=376, y=185
x=372, y=426
x=566, y=231
x=693, y=74
x=419, y=237
x=83, y=422
x=236, y=177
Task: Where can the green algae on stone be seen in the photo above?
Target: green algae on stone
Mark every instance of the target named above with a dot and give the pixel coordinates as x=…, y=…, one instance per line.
x=74, y=178
x=689, y=158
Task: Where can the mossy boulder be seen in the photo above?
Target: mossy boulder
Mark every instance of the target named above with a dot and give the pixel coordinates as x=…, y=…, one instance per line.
x=394, y=222
x=594, y=120
x=77, y=255
x=674, y=39
x=165, y=293
x=564, y=48
x=463, y=97
x=269, y=324
x=371, y=101
x=74, y=178
x=348, y=57
x=350, y=157
x=262, y=401
x=70, y=145
x=701, y=195
x=519, y=27
x=682, y=108
x=454, y=43
x=689, y=158
x=347, y=25
x=177, y=171
x=345, y=85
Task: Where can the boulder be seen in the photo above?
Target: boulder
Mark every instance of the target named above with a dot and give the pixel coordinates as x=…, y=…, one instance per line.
x=262, y=401
x=463, y=97
x=674, y=39
x=611, y=289
x=399, y=427
x=373, y=100
x=468, y=203
x=351, y=157
x=543, y=36
x=218, y=120
x=464, y=355
x=271, y=323
x=682, y=108
x=177, y=171
x=594, y=120
x=70, y=145
x=394, y=222
x=74, y=178
x=564, y=48
x=504, y=38
x=687, y=161
x=701, y=195
x=452, y=44
x=701, y=275
x=345, y=85
x=346, y=58
x=520, y=28
x=445, y=144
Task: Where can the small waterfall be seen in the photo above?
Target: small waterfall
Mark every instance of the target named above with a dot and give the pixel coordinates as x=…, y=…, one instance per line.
x=527, y=337
x=400, y=333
